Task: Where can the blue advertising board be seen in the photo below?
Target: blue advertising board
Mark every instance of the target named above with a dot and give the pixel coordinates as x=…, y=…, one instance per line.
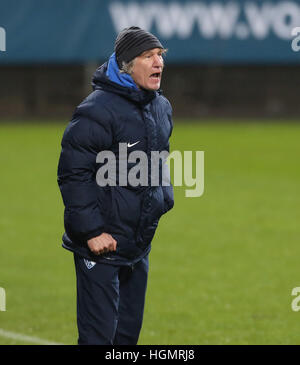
x=219, y=31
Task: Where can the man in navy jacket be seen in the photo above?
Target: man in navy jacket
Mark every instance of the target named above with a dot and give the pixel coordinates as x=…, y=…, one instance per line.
x=110, y=228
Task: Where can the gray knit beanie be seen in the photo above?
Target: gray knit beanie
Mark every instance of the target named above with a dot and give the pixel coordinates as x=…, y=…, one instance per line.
x=133, y=41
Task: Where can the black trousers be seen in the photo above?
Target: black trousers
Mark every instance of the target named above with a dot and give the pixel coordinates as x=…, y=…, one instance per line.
x=110, y=302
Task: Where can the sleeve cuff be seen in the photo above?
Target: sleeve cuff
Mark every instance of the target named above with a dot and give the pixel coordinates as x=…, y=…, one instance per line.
x=93, y=234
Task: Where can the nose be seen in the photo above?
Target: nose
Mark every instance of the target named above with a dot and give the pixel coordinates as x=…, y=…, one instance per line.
x=158, y=61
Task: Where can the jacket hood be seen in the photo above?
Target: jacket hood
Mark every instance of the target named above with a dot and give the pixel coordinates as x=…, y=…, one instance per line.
x=121, y=78
x=100, y=81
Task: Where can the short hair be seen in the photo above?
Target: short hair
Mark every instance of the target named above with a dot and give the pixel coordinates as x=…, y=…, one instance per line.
x=128, y=66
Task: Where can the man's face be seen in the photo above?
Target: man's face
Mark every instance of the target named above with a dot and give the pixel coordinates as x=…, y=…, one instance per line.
x=147, y=69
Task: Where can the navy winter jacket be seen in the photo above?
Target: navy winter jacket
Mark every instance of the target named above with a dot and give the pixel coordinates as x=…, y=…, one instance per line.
x=110, y=115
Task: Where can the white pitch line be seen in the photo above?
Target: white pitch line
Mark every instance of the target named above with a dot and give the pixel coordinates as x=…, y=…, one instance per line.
x=25, y=338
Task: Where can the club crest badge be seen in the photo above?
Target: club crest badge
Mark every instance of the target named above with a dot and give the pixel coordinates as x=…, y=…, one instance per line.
x=89, y=264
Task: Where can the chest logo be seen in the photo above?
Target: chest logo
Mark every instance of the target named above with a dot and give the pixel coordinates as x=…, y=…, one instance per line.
x=132, y=144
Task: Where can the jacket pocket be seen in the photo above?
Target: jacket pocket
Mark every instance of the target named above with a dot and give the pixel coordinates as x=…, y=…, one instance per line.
x=157, y=203
x=153, y=209
x=125, y=211
x=126, y=247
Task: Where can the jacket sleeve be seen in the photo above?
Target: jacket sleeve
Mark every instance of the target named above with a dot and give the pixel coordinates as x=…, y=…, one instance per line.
x=81, y=142
x=168, y=189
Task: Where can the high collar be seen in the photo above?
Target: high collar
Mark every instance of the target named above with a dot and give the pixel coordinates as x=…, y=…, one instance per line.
x=101, y=81
x=114, y=74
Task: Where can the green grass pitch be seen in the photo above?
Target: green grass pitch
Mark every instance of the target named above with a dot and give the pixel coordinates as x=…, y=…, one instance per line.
x=222, y=266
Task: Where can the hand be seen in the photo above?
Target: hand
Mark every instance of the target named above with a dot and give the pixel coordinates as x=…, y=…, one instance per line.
x=101, y=244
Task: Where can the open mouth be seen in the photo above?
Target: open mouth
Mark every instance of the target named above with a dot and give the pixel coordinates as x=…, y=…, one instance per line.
x=156, y=75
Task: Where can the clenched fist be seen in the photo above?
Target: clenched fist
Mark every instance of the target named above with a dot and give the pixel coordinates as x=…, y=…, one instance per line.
x=101, y=244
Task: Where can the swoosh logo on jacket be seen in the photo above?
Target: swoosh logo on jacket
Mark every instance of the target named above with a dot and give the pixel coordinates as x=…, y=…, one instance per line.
x=132, y=144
